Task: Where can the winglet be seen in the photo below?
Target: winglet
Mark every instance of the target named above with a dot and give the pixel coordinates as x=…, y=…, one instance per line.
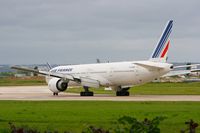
x=49, y=66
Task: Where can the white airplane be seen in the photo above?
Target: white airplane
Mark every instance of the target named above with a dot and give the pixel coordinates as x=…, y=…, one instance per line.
x=120, y=76
x=195, y=72
x=191, y=71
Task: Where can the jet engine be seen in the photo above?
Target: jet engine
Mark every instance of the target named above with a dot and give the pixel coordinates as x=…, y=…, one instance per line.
x=57, y=85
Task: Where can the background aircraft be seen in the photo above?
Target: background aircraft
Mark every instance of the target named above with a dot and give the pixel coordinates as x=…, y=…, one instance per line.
x=191, y=70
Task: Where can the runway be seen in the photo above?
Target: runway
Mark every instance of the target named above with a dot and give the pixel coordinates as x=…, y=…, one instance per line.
x=42, y=93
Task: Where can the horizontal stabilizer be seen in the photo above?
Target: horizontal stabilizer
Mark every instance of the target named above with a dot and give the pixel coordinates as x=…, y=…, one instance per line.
x=150, y=64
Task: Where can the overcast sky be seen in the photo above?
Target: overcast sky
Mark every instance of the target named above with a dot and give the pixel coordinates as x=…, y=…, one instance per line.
x=79, y=31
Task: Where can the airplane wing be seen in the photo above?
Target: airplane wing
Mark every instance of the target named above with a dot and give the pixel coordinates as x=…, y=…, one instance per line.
x=182, y=72
x=177, y=73
x=45, y=73
x=84, y=81
x=195, y=70
x=183, y=66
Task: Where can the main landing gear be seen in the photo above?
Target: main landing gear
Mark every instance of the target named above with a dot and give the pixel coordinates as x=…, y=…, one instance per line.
x=86, y=92
x=55, y=94
x=123, y=92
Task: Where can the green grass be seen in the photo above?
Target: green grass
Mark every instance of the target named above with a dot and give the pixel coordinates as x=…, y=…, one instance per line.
x=28, y=81
x=76, y=115
x=167, y=88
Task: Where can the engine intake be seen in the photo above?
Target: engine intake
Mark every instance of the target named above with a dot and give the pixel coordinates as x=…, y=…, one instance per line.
x=57, y=85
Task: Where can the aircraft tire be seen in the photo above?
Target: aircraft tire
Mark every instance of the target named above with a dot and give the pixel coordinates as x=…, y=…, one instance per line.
x=122, y=93
x=89, y=93
x=55, y=94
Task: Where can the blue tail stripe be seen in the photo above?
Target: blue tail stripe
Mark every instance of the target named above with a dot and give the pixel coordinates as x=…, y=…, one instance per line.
x=160, y=45
x=163, y=39
x=166, y=33
x=163, y=43
x=168, y=28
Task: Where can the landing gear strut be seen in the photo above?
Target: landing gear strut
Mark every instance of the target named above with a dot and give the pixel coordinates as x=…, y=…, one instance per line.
x=123, y=92
x=86, y=92
x=55, y=94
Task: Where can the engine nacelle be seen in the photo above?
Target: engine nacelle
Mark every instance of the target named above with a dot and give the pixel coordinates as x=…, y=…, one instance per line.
x=57, y=85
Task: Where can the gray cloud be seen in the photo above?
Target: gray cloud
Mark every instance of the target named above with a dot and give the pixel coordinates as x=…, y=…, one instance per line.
x=65, y=31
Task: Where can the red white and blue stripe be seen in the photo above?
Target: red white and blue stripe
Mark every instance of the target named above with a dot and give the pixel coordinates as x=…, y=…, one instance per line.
x=164, y=42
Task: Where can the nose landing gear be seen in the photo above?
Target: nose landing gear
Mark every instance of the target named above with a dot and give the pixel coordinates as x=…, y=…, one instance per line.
x=55, y=94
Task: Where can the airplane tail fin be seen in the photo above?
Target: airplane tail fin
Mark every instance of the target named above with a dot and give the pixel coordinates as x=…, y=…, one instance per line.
x=49, y=67
x=160, y=52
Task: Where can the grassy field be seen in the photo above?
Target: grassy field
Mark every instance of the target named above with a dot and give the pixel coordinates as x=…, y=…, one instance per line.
x=25, y=81
x=76, y=115
x=168, y=88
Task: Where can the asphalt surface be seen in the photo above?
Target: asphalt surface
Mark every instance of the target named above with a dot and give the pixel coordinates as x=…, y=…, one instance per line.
x=40, y=93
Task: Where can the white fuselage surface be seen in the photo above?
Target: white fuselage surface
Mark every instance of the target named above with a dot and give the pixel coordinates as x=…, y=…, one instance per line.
x=114, y=74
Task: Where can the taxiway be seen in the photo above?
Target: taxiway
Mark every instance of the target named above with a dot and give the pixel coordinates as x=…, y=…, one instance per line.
x=40, y=93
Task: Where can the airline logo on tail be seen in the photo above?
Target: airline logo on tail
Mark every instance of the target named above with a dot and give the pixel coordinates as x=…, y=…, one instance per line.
x=162, y=47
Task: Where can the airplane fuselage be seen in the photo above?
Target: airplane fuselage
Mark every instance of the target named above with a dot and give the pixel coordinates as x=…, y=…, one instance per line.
x=113, y=74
